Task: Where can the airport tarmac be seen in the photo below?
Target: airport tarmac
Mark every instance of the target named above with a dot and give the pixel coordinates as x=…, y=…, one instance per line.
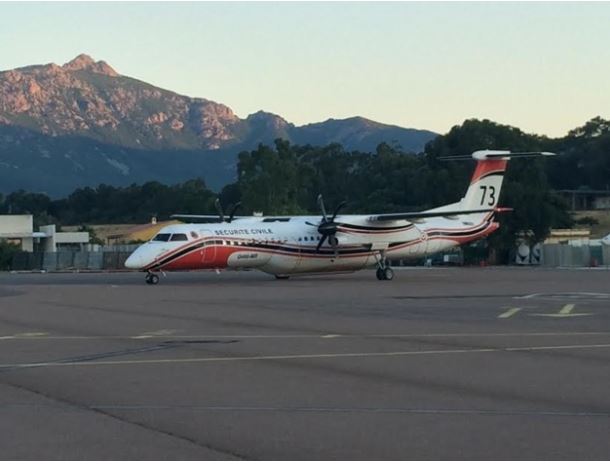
x=440, y=363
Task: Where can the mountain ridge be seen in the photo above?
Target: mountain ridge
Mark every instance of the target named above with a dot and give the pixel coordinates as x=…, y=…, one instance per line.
x=85, y=99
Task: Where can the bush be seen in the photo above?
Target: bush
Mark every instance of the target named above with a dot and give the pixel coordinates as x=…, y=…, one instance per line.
x=7, y=251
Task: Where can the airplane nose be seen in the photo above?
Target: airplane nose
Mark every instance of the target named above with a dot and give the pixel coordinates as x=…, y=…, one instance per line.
x=134, y=261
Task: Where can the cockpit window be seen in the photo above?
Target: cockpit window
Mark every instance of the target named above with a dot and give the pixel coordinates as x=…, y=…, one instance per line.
x=161, y=238
x=178, y=238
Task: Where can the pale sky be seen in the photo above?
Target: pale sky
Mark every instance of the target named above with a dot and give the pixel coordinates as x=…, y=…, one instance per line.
x=543, y=67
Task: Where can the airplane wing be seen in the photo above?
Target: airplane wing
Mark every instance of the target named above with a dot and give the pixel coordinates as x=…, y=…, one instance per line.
x=428, y=214
x=211, y=218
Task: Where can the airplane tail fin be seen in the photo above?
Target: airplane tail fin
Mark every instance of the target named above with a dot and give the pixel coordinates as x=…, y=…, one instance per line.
x=486, y=182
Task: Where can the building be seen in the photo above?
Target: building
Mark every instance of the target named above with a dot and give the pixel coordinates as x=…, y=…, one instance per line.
x=569, y=236
x=62, y=241
x=585, y=199
x=19, y=229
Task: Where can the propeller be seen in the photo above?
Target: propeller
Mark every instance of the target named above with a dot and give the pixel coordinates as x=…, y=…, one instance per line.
x=233, y=211
x=327, y=228
x=221, y=213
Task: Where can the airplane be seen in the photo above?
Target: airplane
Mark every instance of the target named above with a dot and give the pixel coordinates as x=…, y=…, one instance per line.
x=298, y=245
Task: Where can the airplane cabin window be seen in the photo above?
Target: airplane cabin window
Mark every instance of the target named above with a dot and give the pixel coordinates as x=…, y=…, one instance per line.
x=179, y=238
x=161, y=238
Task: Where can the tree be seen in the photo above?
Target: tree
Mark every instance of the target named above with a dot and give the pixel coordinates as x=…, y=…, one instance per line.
x=7, y=251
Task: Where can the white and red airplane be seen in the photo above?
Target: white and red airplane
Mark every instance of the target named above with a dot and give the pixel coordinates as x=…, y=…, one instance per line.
x=288, y=245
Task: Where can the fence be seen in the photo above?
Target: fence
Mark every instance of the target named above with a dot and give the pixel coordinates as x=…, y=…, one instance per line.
x=113, y=258
x=70, y=260
x=560, y=255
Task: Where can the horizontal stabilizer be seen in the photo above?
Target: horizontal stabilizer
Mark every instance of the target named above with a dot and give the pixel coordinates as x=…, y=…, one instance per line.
x=497, y=154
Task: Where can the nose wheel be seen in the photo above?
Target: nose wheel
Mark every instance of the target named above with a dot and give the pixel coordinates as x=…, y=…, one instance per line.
x=152, y=279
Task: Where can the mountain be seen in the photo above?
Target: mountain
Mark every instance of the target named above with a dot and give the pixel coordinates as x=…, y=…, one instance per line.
x=83, y=123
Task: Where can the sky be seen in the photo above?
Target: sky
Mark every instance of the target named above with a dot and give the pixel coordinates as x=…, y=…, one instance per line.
x=543, y=67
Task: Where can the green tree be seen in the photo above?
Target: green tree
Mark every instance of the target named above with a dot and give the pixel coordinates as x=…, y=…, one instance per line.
x=7, y=251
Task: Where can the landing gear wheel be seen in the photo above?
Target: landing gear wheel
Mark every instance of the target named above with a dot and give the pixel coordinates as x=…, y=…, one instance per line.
x=282, y=277
x=380, y=274
x=388, y=273
x=152, y=279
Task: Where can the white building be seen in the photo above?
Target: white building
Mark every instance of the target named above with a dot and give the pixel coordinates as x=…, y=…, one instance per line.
x=19, y=229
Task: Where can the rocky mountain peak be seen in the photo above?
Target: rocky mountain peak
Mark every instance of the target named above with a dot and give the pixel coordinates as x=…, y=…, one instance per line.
x=270, y=119
x=84, y=62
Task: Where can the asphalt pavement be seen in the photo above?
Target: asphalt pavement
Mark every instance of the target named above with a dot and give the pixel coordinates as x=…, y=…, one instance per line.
x=440, y=363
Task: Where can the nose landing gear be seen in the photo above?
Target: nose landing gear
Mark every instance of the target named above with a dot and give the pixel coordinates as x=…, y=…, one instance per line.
x=152, y=279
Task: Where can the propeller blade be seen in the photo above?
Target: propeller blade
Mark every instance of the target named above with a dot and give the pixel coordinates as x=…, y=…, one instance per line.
x=219, y=209
x=311, y=224
x=321, y=242
x=234, y=210
x=321, y=205
x=337, y=209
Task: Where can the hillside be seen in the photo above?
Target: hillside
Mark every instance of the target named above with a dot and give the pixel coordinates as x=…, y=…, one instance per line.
x=83, y=123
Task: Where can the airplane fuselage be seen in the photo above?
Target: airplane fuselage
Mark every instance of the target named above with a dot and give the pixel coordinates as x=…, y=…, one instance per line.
x=284, y=246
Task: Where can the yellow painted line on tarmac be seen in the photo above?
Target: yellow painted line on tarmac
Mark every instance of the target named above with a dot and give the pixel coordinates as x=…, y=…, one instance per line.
x=227, y=359
x=296, y=336
x=25, y=335
x=510, y=313
x=566, y=311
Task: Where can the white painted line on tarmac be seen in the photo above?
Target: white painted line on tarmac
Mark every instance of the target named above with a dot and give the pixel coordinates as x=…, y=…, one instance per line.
x=156, y=333
x=511, y=312
x=226, y=359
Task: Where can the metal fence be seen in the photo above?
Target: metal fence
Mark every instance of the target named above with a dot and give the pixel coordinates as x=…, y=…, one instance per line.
x=113, y=258
x=70, y=260
x=560, y=255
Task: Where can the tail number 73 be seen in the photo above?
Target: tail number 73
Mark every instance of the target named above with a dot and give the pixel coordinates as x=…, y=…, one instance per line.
x=490, y=193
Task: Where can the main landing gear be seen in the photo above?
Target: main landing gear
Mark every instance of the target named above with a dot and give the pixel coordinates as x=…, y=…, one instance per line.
x=152, y=279
x=384, y=271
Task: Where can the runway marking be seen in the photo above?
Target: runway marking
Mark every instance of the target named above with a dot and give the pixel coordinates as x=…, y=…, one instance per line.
x=511, y=312
x=156, y=333
x=226, y=359
x=296, y=336
x=566, y=311
x=310, y=409
x=567, y=295
x=24, y=335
